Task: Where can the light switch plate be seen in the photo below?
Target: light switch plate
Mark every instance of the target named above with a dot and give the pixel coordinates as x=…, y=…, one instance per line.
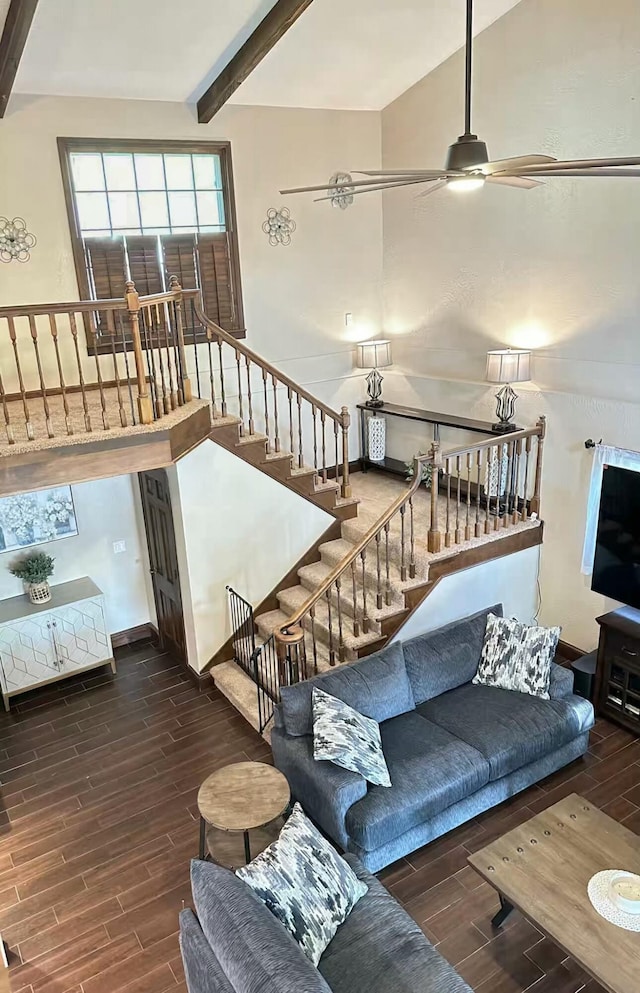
x=119, y=546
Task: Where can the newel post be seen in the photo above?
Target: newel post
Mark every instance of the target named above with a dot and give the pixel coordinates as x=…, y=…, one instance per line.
x=292, y=660
x=145, y=408
x=176, y=289
x=541, y=424
x=434, y=541
x=346, y=421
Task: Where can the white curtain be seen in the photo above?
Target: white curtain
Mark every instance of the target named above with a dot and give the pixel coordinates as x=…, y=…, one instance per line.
x=602, y=455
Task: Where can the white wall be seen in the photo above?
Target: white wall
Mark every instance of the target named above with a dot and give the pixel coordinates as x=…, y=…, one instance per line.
x=234, y=526
x=511, y=581
x=105, y=512
x=555, y=269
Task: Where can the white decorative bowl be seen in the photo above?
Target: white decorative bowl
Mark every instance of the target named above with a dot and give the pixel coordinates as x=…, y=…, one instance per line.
x=624, y=892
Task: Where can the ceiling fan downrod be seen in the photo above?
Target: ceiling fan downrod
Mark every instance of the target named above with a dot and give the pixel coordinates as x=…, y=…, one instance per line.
x=468, y=151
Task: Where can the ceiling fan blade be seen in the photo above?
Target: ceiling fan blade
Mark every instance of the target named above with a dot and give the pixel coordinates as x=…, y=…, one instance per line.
x=324, y=187
x=427, y=173
x=520, y=181
x=611, y=173
x=432, y=189
x=383, y=186
x=563, y=164
x=519, y=162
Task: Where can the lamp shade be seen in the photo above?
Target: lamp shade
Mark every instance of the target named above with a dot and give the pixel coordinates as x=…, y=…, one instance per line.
x=373, y=354
x=506, y=365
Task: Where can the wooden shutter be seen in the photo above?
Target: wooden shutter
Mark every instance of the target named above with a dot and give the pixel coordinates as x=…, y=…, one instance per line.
x=216, y=279
x=144, y=264
x=106, y=267
x=179, y=252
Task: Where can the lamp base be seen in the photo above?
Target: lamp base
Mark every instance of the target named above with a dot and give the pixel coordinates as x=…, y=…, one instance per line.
x=505, y=410
x=374, y=389
x=503, y=428
x=374, y=403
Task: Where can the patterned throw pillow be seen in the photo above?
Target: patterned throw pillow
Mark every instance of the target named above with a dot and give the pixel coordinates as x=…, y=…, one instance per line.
x=351, y=740
x=517, y=657
x=305, y=884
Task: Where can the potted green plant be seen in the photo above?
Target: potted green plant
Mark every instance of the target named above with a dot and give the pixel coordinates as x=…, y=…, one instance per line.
x=427, y=471
x=34, y=571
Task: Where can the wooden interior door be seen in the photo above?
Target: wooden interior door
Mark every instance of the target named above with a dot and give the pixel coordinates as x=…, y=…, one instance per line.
x=163, y=560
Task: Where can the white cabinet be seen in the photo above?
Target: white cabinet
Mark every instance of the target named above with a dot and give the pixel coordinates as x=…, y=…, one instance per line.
x=40, y=643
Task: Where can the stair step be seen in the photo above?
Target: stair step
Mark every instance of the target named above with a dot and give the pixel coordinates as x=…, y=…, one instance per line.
x=312, y=576
x=332, y=553
x=233, y=683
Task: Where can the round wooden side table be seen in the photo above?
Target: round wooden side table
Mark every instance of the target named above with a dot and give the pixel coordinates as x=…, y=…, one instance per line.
x=240, y=798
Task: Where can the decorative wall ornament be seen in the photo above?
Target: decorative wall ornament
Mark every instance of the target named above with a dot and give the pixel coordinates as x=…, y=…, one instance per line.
x=32, y=518
x=15, y=241
x=279, y=225
x=341, y=190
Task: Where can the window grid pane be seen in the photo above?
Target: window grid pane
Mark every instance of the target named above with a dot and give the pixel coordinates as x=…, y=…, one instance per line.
x=148, y=192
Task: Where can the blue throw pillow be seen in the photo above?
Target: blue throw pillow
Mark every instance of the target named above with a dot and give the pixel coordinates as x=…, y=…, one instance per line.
x=343, y=736
x=305, y=884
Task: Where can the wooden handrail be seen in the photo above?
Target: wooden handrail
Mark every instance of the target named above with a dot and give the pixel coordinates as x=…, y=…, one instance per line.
x=270, y=369
x=436, y=458
x=75, y=307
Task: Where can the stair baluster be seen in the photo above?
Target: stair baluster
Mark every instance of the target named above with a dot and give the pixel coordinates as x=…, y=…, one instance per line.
x=241, y=427
x=274, y=384
x=315, y=440
x=53, y=327
x=332, y=651
x=354, y=589
x=122, y=340
x=458, y=532
x=300, y=447
x=478, y=530
x=412, y=541
x=252, y=427
x=266, y=409
x=341, y=646
x=5, y=413
x=223, y=398
x=515, y=516
x=116, y=375
x=387, y=567
x=323, y=421
x=467, y=526
x=447, y=533
x=379, y=594
x=403, y=568
x=314, y=643
x=499, y=474
x=23, y=394
x=45, y=403
x=365, y=615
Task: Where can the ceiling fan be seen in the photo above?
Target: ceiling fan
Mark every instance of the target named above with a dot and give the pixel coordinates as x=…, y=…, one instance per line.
x=468, y=166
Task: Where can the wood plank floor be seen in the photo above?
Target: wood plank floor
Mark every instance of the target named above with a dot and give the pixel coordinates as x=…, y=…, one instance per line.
x=98, y=824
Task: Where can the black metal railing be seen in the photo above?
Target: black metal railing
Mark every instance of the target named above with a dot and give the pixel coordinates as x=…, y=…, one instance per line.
x=261, y=662
x=244, y=631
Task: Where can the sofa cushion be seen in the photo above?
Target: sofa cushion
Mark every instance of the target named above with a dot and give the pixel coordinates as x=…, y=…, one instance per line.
x=255, y=952
x=430, y=769
x=448, y=657
x=509, y=729
x=343, y=736
x=380, y=948
x=377, y=686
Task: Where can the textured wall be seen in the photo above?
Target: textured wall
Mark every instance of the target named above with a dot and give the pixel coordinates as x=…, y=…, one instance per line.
x=555, y=268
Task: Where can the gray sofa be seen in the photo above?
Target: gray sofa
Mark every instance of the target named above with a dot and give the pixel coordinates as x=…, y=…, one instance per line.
x=453, y=749
x=233, y=944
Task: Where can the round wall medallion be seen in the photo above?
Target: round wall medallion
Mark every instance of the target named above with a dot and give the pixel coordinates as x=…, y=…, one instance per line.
x=15, y=241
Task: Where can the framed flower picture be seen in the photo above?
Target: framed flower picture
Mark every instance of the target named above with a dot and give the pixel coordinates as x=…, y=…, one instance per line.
x=33, y=518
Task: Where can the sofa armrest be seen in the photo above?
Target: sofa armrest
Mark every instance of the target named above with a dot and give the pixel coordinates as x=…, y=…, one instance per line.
x=325, y=790
x=561, y=682
x=202, y=970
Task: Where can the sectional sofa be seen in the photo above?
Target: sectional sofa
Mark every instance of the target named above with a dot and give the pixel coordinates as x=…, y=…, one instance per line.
x=453, y=749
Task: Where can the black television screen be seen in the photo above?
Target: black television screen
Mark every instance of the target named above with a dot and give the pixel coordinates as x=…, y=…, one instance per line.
x=616, y=566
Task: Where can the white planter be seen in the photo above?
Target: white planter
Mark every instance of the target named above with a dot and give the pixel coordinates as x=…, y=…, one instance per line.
x=39, y=592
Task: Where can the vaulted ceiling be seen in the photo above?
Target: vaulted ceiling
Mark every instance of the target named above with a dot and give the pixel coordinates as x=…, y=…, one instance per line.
x=349, y=54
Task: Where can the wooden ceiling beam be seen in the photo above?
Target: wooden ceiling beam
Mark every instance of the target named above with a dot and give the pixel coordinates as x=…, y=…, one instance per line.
x=277, y=22
x=12, y=42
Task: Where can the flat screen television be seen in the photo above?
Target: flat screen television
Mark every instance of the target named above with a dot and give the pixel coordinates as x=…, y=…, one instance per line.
x=616, y=565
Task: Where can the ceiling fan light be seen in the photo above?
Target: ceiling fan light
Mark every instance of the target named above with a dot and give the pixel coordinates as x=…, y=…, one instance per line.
x=464, y=185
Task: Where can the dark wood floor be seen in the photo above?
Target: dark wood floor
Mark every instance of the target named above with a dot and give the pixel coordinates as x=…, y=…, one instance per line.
x=99, y=782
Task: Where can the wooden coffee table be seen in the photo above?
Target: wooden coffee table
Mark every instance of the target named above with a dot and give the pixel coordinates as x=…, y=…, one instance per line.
x=237, y=799
x=542, y=868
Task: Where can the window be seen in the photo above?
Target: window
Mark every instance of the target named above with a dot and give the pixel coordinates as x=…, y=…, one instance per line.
x=149, y=210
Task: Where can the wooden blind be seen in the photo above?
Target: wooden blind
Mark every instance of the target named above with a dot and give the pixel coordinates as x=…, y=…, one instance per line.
x=106, y=267
x=144, y=264
x=179, y=253
x=216, y=279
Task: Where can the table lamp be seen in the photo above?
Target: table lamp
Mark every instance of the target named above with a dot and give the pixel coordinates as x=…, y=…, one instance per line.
x=506, y=365
x=374, y=355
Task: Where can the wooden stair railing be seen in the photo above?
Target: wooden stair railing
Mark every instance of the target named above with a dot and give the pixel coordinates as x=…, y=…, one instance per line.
x=269, y=404
x=133, y=371
x=489, y=486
